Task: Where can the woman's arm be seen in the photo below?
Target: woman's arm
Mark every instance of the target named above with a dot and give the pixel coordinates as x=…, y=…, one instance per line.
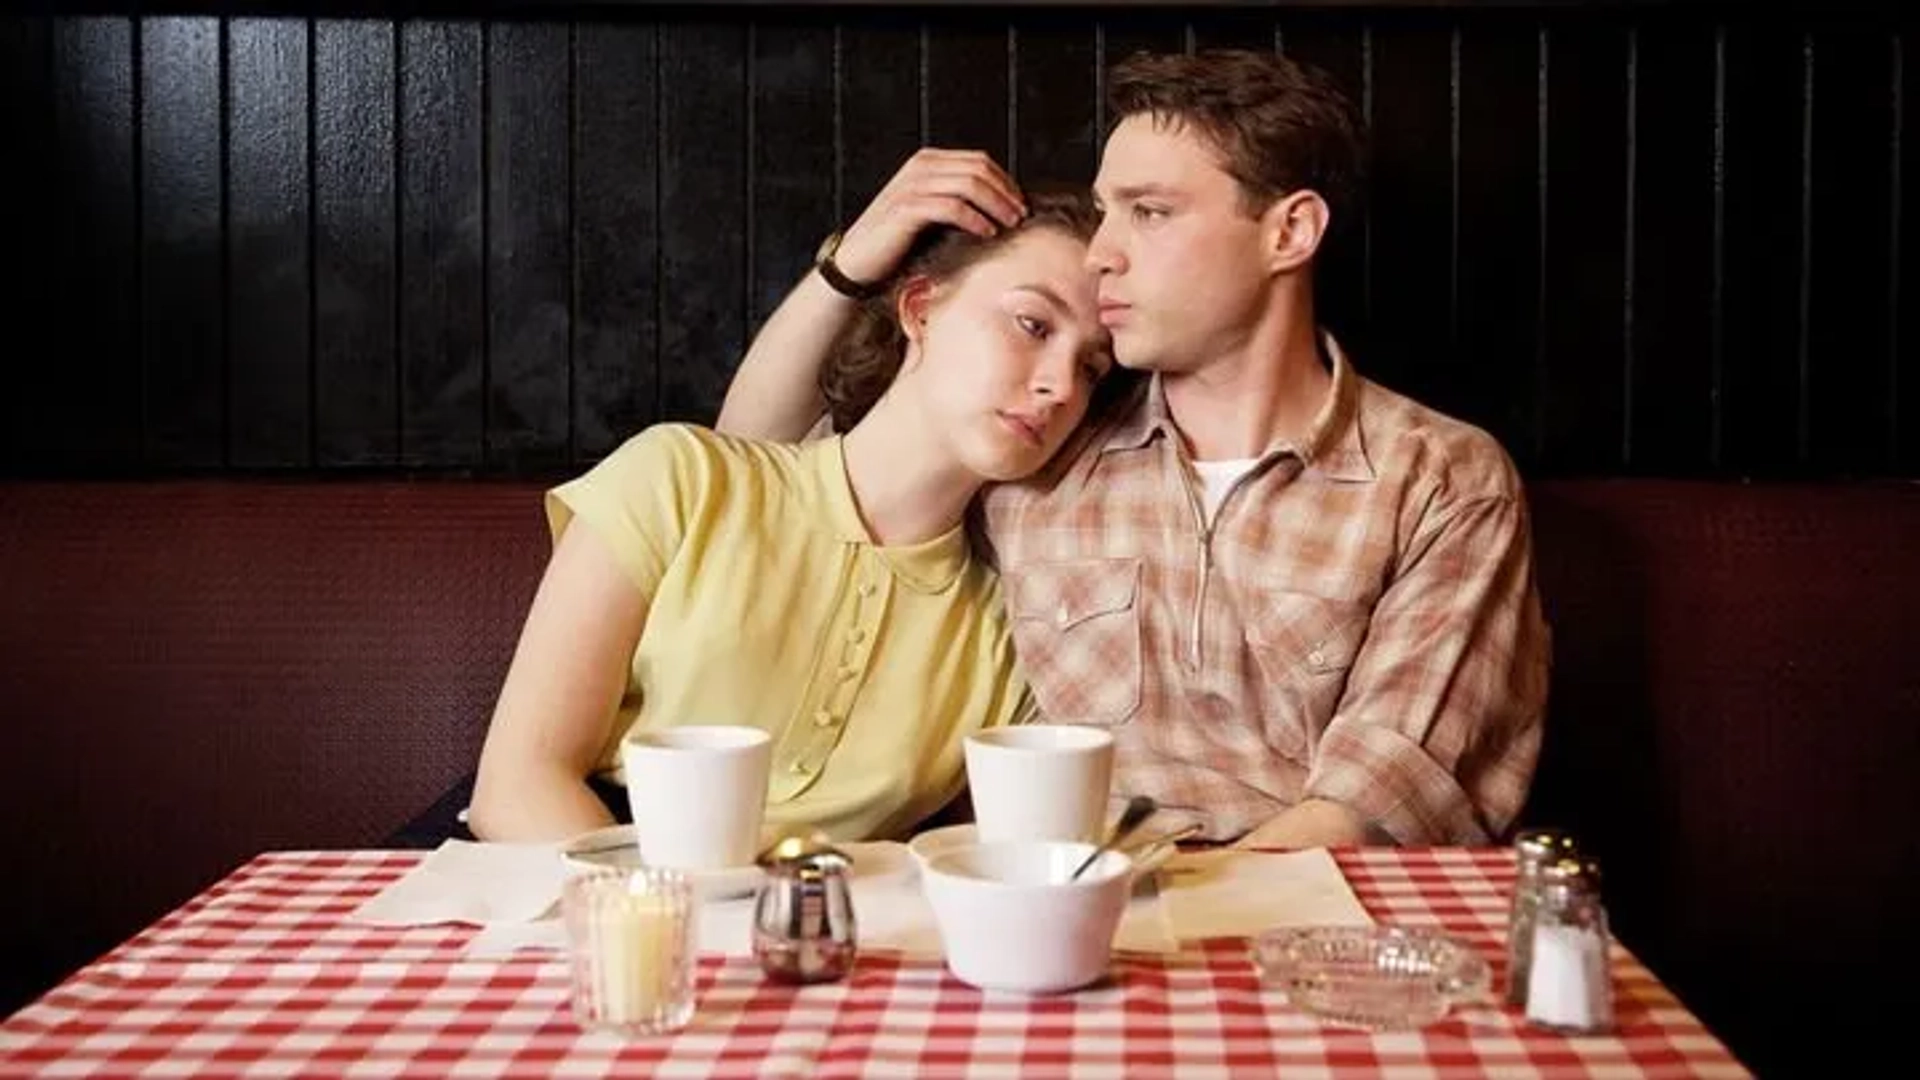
x=558, y=703
x=775, y=393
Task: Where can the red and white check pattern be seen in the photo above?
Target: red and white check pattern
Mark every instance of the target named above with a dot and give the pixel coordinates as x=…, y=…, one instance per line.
x=261, y=975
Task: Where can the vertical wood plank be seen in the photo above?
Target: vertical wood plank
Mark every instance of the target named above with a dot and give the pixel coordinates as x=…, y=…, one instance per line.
x=793, y=155
x=703, y=211
x=356, y=371
x=1903, y=359
x=1673, y=240
x=1413, y=339
x=1848, y=393
x=1761, y=211
x=31, y=189
x=1235, y=28
x=1121, y=37
x=529, y=256
x=1586, y=228
x=184, y=360
x=268, y=290
x=967, y=85
x=616, y=236
x=1055, y=89
x=442, y=322
x=1336, y=44
x=1497, y=254
x=97, y=412
x=879, y=122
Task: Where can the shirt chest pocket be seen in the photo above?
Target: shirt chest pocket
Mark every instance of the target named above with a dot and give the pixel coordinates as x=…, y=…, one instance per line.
x=1303, y=646
x=1076, y=630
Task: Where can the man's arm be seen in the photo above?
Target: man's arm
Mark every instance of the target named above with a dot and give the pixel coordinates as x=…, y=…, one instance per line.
x=775, y=393
x=1436, y=738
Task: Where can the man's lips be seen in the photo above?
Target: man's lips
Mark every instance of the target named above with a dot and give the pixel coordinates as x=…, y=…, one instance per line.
x=1112, y=311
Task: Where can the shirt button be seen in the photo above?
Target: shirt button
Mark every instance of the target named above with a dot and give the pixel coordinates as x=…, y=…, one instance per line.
x=823, y=718
x=848, y=671
x=857, y=636
x=866, y=588
x=1062, y=616
x=1316, y=658
x=798, y=768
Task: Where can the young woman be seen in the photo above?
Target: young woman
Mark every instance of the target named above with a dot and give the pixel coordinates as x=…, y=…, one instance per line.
x=825, y=592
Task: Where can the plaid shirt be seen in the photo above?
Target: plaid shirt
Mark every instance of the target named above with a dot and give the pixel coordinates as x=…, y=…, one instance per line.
x=1358, y=624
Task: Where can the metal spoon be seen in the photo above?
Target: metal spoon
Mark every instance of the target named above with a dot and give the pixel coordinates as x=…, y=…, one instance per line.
x=1139, y=808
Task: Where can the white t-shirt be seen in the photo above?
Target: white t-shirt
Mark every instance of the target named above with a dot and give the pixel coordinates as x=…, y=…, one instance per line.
x=1216, y=477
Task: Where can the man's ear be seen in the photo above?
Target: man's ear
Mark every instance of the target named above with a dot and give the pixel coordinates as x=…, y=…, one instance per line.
x=911, y=304
x=1292, y=229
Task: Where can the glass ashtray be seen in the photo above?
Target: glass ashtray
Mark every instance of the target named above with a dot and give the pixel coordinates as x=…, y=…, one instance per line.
x=1377, y=977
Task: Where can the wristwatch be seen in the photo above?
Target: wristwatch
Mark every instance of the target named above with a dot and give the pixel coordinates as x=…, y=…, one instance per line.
x=838, y=281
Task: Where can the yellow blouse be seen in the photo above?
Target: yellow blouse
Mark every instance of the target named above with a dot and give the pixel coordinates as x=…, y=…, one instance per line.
x=770, y=606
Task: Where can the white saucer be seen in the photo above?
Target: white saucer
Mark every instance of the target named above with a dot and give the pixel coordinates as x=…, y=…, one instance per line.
x=617, y=847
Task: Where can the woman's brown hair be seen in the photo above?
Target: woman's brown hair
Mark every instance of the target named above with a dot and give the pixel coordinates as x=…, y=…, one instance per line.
x=867, y=355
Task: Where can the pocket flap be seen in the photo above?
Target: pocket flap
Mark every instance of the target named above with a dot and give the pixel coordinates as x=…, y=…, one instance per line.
x=1321, y=635
x=1067, y=593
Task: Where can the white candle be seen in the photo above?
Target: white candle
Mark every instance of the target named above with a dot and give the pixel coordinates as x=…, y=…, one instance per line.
x=633, y=946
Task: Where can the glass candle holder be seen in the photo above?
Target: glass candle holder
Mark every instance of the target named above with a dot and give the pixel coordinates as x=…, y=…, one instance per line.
x=631, y=944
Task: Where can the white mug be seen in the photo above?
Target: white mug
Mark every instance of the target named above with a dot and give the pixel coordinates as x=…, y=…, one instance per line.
x=1040, y=781
x=698, y=793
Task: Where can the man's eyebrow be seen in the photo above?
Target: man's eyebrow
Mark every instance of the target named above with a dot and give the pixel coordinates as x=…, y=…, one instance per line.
x=1136, y=191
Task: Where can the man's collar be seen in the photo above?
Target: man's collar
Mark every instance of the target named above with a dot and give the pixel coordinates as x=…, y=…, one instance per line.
x=1334, y=446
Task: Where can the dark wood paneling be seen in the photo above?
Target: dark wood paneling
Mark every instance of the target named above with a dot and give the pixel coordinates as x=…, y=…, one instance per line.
x=268, y=288
x=1671, y=378
x=1227, y=28
x=1497, y=261
x=507, y=244
x=26, y=119
x=1585, y=269
x=93, y=418
x=442, y=320
x=1338, y=45
x=880, y=122
x=1761, y=248
x=1055, y=83
x=616, y=319
x=356, y=382
x=703, y=215
x=182, y=272
x=966, y=86
x=1847, y=396
x=529, y=268
x=1904, y=240
x=793, y=155
x=1413, y=338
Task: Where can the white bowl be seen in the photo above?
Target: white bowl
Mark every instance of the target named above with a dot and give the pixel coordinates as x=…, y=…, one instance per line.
x=1147, y=853
x=1010, y=920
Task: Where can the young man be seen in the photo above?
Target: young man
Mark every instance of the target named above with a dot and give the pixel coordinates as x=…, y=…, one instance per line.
x=1304, y=604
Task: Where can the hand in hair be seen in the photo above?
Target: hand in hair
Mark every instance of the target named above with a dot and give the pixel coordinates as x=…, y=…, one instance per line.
x=962, y=188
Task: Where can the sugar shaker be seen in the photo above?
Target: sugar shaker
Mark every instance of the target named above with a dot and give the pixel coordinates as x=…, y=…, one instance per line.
x=1532, y=850
x=803, y=925
x=1570, y=982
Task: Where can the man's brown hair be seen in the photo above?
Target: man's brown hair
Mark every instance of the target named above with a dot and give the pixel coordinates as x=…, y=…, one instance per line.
x=1279, y=125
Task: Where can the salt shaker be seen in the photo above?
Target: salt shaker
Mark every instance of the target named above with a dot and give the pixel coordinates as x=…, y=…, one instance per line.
x=1570, y=983
x=803, y=926
x=1532, y=850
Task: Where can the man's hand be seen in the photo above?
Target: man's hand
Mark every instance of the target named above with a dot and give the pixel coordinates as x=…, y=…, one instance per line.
x=1309, y=824
x=962, y=188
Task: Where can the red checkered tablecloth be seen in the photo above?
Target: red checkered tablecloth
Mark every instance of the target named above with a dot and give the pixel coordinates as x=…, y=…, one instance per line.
x=262, y=975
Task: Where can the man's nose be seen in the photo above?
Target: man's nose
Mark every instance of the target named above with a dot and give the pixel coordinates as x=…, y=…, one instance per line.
x=1103, y=255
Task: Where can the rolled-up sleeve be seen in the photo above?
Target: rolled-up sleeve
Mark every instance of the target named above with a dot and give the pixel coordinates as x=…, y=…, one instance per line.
x=1438, y=733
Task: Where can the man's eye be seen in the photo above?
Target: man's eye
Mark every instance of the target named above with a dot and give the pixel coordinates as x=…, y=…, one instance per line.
x=1142, y=212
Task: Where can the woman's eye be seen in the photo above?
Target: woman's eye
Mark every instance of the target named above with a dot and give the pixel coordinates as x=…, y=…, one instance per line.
x=1034, y=327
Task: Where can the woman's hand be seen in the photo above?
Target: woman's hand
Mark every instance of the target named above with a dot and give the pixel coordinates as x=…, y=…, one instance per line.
x=962, y=188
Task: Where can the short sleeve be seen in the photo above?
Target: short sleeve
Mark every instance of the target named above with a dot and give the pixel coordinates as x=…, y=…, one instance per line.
x=640, y=500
